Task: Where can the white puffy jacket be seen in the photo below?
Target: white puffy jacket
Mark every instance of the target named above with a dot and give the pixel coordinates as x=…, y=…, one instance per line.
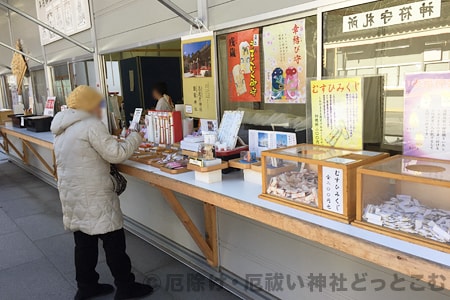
x=84, y=150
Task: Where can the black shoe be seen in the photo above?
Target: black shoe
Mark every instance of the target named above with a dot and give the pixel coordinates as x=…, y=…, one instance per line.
x=133, y=291
x=96, y=291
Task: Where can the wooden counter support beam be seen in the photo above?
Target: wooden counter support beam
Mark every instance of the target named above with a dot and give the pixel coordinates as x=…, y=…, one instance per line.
x=386, y=257
x=27, y=142
x=9, y=144
x=210, y=212
x=203, y=243
x=38, y=156
x=4, y=145
x=25, y=153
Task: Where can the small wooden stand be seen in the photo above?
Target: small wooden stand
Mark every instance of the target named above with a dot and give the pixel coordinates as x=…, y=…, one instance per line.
x=208, y=174
x=237, y=164
x=175, y=171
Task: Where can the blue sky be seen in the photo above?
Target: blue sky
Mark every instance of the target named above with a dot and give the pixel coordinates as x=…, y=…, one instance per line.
x=194, y=47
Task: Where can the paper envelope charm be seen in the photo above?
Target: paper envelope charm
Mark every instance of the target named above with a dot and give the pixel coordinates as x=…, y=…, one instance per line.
x=239, y=80
x=277, y=84
x=244, y=53
x=292, y=83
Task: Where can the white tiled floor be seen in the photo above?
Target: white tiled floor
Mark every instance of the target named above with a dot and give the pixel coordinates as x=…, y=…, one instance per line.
x=36, y=254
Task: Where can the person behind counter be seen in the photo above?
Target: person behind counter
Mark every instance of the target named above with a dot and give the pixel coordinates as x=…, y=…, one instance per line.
x=84, y=151
x=160, y=94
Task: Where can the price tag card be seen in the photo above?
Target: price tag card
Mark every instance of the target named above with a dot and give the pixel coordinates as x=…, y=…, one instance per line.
x=333, y=190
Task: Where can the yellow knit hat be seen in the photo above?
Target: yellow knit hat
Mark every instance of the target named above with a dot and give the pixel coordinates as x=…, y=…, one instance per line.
x=84, y=98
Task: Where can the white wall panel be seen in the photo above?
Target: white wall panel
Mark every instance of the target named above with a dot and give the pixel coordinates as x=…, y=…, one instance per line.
x=127, y=24
x=26, y=30
x=238, y=9
x=5, y=54
x=145, y=204
x=63, y=50
x=248, y=247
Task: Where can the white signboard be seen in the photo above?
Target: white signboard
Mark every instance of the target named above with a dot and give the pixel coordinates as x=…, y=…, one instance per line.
x=400, y=14
x=136, y=119
x=50, y=107
x=67, y=16
x=229, y=128
x=259, y=140
x=333, y=190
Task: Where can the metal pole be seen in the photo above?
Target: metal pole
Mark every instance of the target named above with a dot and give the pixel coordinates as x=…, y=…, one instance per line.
x=40, y=23
x=180, y=12
x=202, y=9
x=5, y=66
x=23, y=53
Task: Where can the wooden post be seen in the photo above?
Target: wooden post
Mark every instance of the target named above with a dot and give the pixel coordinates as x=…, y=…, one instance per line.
x=41, y=159
x=8, y=144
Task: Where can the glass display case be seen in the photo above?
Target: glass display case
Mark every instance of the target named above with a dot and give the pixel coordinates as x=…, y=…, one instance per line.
x=406, y=197
x=318, y=179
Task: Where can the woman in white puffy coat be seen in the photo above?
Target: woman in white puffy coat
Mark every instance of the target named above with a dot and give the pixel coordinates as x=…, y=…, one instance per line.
x=84, y=150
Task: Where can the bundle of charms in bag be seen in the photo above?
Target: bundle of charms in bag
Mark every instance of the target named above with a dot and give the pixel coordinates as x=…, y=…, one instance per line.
x=163, y=127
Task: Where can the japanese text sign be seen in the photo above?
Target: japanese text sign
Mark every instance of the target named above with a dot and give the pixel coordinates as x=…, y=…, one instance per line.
x=67, y=16
x=337, y=112
x=244, y=70
x=49, y=109
x=400, y=14
x=285, y=62
x=426, y=121
x=333, y=190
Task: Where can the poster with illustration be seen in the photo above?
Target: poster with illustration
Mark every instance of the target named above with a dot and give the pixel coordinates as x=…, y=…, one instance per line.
x=243, y=54
x=285, y=62
x=198, y=64
x=337, y=112
x=426, y=120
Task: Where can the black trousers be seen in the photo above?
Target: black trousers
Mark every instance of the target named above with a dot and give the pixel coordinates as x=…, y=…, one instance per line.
x=86, y=256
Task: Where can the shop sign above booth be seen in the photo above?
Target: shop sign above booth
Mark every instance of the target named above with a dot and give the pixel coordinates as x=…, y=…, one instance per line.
x=395, y=15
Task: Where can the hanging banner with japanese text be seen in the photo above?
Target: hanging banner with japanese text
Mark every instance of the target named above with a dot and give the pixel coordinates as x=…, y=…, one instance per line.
x=337, y=112
x=199, y=67
x=426, y=120
x=395, y=15
x=244, y=73
x=285, y=62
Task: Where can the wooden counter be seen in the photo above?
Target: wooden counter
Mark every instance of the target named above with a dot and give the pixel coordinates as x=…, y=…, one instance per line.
x=241, y=198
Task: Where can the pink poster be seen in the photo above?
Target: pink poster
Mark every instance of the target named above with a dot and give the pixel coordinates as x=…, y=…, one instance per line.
x=426, y=121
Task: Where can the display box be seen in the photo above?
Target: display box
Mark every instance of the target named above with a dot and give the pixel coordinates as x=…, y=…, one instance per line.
x=19, y=120
x=38, y=123
x=407, y=198
x=318, y=179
